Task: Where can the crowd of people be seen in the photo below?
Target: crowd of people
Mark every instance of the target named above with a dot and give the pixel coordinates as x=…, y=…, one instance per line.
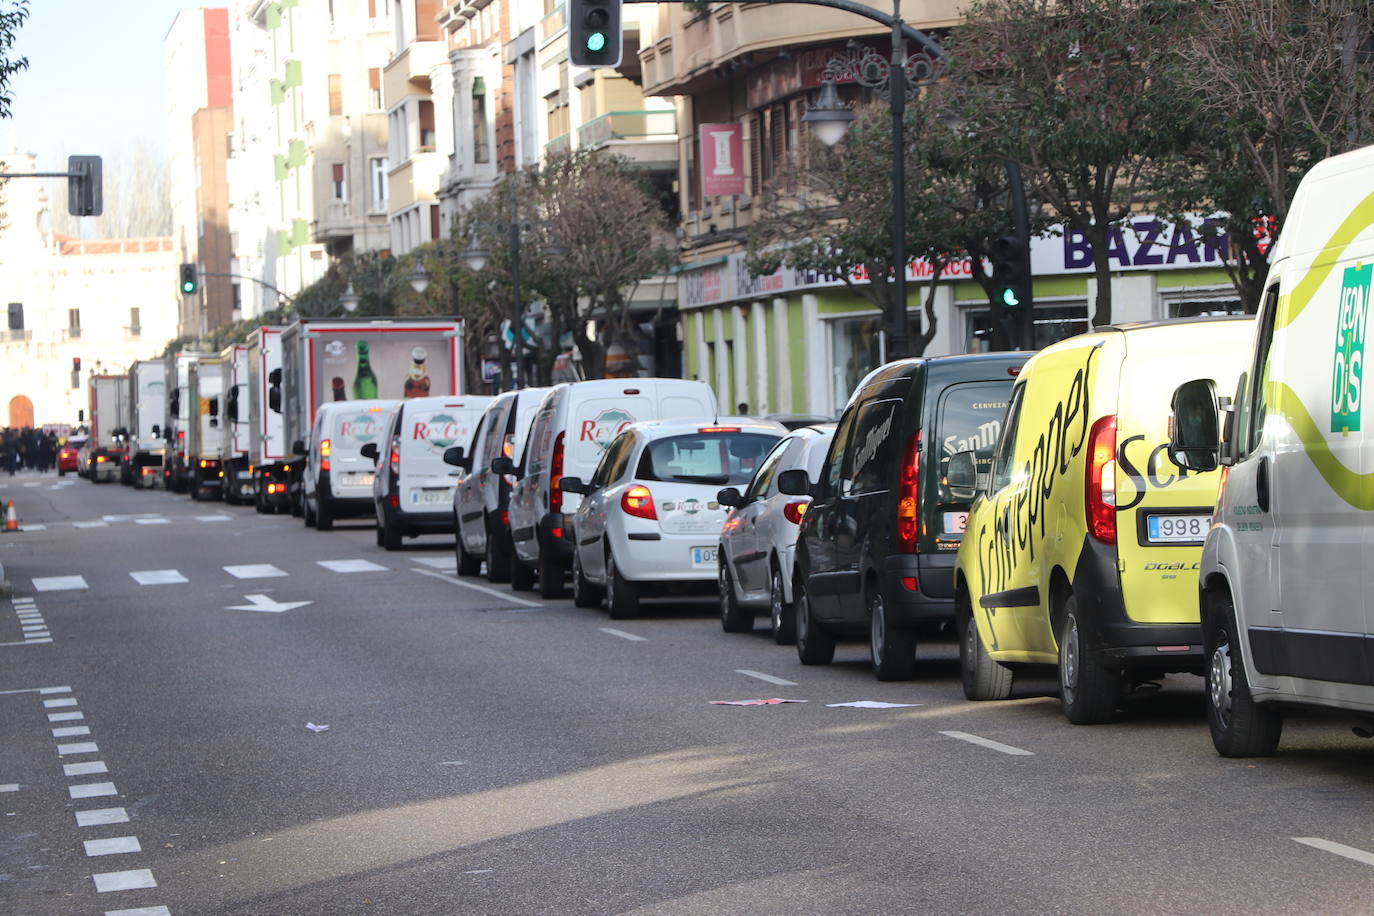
x=28, y=448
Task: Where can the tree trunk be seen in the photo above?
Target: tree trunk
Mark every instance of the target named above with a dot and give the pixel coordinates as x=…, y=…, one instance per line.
x=1097, y=235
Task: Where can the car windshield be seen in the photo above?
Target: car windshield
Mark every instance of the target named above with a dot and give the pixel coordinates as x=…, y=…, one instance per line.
x=720, y=458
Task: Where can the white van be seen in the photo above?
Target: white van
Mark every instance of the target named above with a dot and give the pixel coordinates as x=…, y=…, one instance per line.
x=483, y=495
x=413, y=489
x=337, y=480
x=1286, y=584
x=572, y=429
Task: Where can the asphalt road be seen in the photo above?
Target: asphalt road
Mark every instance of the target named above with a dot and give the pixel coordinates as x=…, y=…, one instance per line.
x=488, y=752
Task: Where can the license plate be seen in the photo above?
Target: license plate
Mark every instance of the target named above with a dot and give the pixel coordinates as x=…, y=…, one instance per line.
x=956, y=522
x=1173, y=529
x=704, y=556
x=244, y=475
x=361, y=479
x=432, y=496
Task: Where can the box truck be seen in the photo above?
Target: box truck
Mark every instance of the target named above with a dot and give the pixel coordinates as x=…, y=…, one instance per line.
x=148, y=400
x=205, y=439
x=108, y=443
x=268, y=460
x=178, y=368
x=236, y=422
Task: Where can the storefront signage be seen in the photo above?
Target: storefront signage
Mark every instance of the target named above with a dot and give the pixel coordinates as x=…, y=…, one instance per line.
x=722, y=159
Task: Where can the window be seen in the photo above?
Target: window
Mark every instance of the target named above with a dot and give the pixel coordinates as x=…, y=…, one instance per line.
x=1002, y=463
x=74, y=319
x=374, y=87
x=426, y=126
x=856, y=350
x=835, y=460
x=434, y=232
x=613, y=462
x=1051, y=323
x=135, y=326
x=379, y=169
x=340, y=185
x=724, y=459
x=759, y=486
x=1259, y=372
x=872, y=450
x=481, y=151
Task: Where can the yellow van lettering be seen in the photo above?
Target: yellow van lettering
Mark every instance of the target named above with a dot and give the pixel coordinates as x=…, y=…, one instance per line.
x=1152, y=467
x=1126, y=466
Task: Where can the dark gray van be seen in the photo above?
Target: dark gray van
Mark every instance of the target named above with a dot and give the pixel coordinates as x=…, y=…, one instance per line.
x=876, y=549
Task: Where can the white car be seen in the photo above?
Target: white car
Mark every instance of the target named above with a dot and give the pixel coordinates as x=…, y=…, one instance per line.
x=650, y=520
x=337, y=481
x=759, y=540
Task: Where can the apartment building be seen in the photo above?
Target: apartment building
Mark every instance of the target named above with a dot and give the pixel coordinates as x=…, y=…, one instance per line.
x=418, y=96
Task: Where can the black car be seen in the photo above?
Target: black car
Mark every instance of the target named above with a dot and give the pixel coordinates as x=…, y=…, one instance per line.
x=876, y=549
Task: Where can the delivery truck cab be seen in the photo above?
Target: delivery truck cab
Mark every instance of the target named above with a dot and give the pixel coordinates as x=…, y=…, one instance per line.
x=1286, y=586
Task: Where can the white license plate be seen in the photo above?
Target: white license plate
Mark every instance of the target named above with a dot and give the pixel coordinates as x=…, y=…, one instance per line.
x=1170, y=529
x=432, y=496
x=244, y=475
x=360, y=479
x=704, y=556
x=956, y=522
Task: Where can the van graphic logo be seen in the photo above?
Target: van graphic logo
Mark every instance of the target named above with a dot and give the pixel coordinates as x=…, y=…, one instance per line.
x=1347, y=362
x=363, y=428
x=604, y=427
x=335, y=348
x=438, y=432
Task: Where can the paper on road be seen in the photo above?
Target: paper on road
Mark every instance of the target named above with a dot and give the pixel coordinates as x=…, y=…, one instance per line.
x=771, y=702
x=873, y=704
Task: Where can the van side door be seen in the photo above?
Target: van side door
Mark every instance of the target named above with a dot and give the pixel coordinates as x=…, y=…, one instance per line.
x=468, y=500
x=821, y=522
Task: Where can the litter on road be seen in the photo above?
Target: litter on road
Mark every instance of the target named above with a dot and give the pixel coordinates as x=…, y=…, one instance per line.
x=873, y=704
x=770, y=702
x=316, y=728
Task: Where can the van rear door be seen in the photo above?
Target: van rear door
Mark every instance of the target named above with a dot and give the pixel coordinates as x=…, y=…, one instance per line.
x=429, y=427
x=596, y=421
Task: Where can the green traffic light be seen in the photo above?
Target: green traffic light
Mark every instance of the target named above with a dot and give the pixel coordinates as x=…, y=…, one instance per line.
x=596, y=41
x=1009, y=298
x=188, y=287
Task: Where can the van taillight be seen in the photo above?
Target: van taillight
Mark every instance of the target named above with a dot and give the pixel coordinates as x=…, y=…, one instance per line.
x=1099, y=502
x=908, y=502
x=639, y=502
x=556, y=476
x=396, y=454
x=324, y=454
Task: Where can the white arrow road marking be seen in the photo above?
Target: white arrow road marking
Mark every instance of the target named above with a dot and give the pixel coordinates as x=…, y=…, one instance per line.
x=267, y=605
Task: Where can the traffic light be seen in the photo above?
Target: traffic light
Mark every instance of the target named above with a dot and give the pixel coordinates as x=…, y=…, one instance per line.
x=594, y=38
x=188, y=280
x=76, y=372
x=85, y=196
x=1011, y=271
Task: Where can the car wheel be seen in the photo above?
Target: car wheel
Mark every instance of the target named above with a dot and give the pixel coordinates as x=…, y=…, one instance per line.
x=307, y=514
x=498, y=564
x=585, y=594
x=815, y=644
x=324, y=519
x=381, y=540
x=391, y=536
x=983, y=677
x=784, y=615
x=1240, y=727
x=1088, y=691
x=468, y=564
x=521, y=575
x=551, y=575
x=622, y=597
x=733, y=618
x=892, y=648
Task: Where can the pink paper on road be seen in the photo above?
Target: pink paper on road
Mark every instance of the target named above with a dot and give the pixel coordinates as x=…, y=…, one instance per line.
x=771, y=702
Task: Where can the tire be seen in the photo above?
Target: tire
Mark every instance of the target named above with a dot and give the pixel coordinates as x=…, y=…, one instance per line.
x=815, y=644
x=622, y=596
x=381, y=541
x=468, y=564
x=306, y=514
x=551, y=575
x=984, y=678
x=782, y=614
x=324, y=519
x=733, y=618
x=498, y=563
x=390, y=536
x=1087, y=691
x=1240, y=727
x=892, y=648
x=521, y=575
x=61, y=473
x=297, y=505
x=585, y=594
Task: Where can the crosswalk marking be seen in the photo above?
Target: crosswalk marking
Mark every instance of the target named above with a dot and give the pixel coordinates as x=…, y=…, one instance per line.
x=150, y=521
x=78, y=747
x=90, y=768
x=124, y=880
x=34, y=528
x=93, y=790
x=157, y=577
x=102, y=816
x=351, y=566
x=141, y=911
x=90, y=524
x=113, y=846
x=254, y=571
x=59, y=583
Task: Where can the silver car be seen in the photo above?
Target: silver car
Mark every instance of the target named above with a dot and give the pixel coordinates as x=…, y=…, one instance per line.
x=759, y=539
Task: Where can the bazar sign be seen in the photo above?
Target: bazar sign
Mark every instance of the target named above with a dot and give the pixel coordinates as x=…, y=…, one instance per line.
x=1142, y=243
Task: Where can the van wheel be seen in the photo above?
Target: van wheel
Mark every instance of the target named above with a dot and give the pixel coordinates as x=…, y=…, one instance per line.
x=468, y=564
x=784, y=615
x=324, y=519
x=622, y=597
x=307, y=514
x=984, y=678
x=297, y=506
x=733, y=618
x=585, y=594
x=1087, y=690
x=815, y=644
x=498, y=564
x=551, y=575
x=521, y=576
x=391, y=536
x=892, y=648
x=1240, y=727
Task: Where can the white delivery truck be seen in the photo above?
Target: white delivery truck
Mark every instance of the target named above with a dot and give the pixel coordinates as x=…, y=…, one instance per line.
x=325, y=360
x=205, y=430
x=235, y=426
x=148, y=402
x=108, y=443
x=178, y=371
x=261, y=403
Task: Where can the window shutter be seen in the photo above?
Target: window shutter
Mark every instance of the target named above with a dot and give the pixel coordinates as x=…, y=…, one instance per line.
x=335, y=94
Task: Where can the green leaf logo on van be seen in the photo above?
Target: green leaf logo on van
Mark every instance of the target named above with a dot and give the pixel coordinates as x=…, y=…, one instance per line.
x=1347, y=362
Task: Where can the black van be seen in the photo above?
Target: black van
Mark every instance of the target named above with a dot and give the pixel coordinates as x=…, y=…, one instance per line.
x=876, y=547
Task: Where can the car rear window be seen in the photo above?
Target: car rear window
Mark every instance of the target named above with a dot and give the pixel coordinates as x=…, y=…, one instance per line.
x=716, y=458
x=971, y=418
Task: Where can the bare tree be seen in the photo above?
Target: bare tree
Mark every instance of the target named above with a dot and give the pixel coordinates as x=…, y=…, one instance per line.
x=137, y=197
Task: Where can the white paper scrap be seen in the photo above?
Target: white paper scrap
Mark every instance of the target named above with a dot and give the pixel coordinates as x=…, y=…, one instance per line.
x=770, y=702
x=316, y=728
x=873, y=704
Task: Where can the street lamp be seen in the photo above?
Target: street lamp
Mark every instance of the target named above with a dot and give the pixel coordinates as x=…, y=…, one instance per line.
x=829, y=117
x=350, y=299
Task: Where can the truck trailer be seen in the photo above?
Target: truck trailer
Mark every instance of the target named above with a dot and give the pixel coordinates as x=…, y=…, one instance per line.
x=148, y=401
x=236, y=423
x=178, y=371
x=268, y=459
x=108, y=443
x=205, y=432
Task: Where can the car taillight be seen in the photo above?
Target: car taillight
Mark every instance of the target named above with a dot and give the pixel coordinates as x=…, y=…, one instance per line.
x=795, y=510
x=718, y=429
x=1099, y=501
x=908, y=504
x=556, y=476
x=324, y=454
x=639, y=502
x=395, y=501
x=99, y=459
x=204, y=463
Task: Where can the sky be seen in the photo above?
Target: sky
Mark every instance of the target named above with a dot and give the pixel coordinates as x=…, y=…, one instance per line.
x=94, y=84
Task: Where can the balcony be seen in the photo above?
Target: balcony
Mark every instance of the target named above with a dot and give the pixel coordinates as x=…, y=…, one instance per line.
x=20, y=336
x=559, y=144
x=648, y=138
x=553, y=23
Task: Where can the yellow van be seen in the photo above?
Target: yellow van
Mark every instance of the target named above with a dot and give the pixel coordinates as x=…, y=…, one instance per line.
x=1082, y=545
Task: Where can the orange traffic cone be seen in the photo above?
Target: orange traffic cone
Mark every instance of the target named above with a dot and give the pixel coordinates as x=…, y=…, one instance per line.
x=11, y=517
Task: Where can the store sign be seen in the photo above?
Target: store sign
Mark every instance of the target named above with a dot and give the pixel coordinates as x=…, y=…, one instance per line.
x=722, y=159
x=1143, y=243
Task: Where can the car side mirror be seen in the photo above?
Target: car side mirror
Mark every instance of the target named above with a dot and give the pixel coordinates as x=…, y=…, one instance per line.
x=369, y=450
x=730, y=496
x=454, y=455
x=961, y=475
x=1194, y=431
x=502, y=465
x=794, y=482
x=573, y=485
x=299, y=448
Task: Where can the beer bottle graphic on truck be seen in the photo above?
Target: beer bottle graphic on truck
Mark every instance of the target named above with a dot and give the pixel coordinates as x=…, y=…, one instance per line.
x=364, y=381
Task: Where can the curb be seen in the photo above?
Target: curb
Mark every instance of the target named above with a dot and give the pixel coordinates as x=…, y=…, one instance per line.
x=6, y=590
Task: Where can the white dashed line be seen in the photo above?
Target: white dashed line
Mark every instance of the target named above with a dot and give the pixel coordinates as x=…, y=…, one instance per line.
x=141, y=911
x=440, y=563
x=214, y=518
x=66, y=716
x=90, y=524
x=9, y=787
x=59, y=583
x=765, y=677
x=89, y=768
x=157, y=577
x=990, y=744
x=1340, y=849
x=151, y=521
x=351, y=566
x=502, y=596
x=254, y=571
x=93, y=790
x=124, y=880
x=112, y=846
x=35, y=527
x=65, y=701
x=80, y=747
x=71, y=731
x=101, y=816
x=622, y=634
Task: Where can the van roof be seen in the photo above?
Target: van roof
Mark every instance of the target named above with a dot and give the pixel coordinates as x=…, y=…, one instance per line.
x=1168, y=322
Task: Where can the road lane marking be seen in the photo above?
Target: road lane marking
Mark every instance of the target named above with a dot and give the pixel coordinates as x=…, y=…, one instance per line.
x=9, y=787
x=503, y=596
x=89, y=768
x=157, y=577
x=442, y=563
x=90, y=524
x=990, y=744
x=102, y=816
x=124, y=880
x=254, y=571
x=1340, y=849
x=66, y=716
x=141, y=911
x=214, y=518
x=59, y=583
x=112, y=846
x=34, y=527
x=351, y=566
x=765, y=677
x=70, y=732
x=80, y=747
x=54, y=704
x=93, y=790
x=611, y=631
x=151, y=521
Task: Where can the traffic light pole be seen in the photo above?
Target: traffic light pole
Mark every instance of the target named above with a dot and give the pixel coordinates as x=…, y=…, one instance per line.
x=85, y=196
x=1021, y=223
